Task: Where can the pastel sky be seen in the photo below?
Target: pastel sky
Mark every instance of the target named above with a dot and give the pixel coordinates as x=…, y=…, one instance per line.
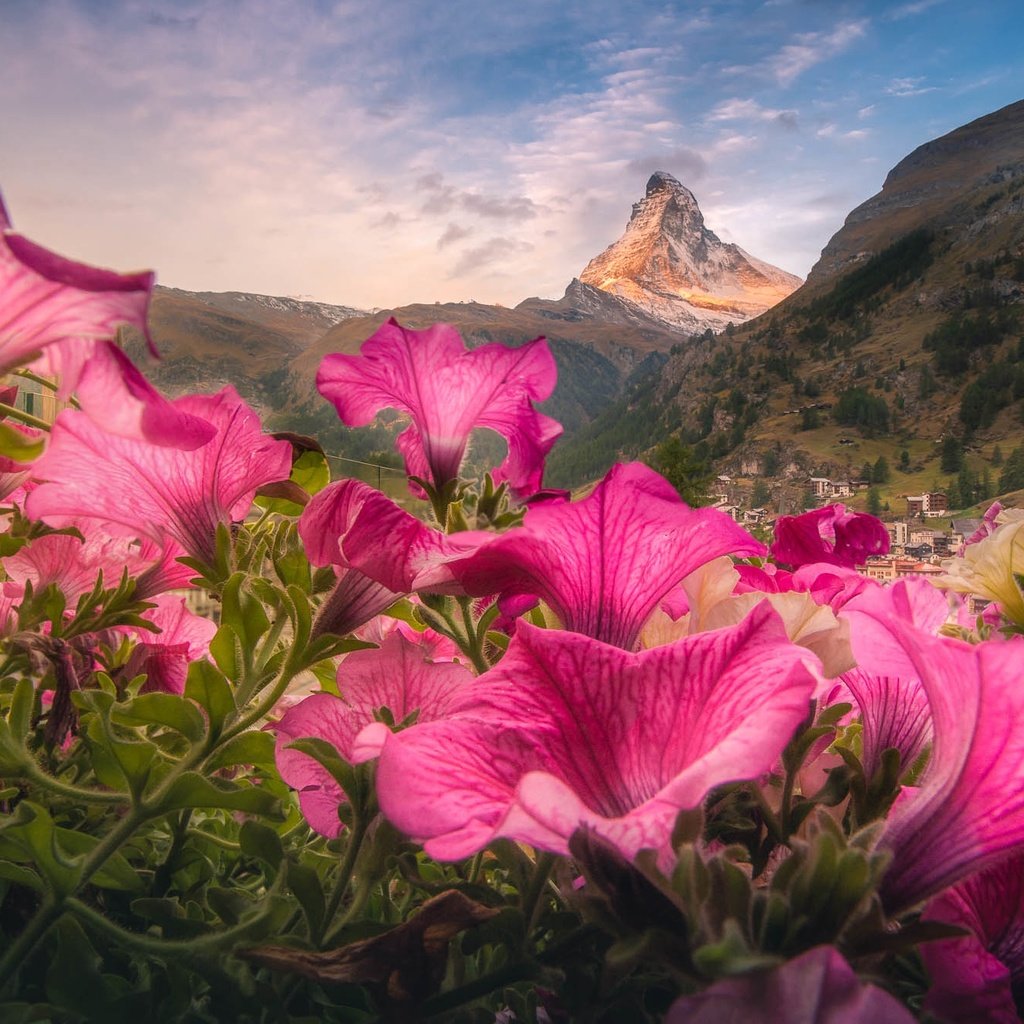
x=378, y=152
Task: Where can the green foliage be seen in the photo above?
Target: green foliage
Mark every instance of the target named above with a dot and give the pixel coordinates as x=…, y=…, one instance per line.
x=1012, y=476
x=859, y=408
x=895, y=267
x=880, y=471
x=689, y=475
x=810, y=419
x=951, y=454
x=955, y=342
x=874, y=501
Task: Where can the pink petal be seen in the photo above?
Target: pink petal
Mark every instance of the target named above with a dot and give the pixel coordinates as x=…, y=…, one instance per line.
x=972, y=974
x=817, y=987
x=604, y=563
x=164, y=657
x=75, y=566
x=829, y=534
x=48, y=299
x=157, y=491
x=400, y=676
x=448, y=391
x=567, y=731
x=969, y=809
x=350, y=523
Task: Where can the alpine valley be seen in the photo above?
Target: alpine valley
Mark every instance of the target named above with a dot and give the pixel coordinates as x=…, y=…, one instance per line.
x=904, y=344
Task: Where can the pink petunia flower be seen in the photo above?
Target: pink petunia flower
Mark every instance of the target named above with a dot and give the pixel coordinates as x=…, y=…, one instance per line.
x=401, y=675
x=566, y=731
x=164, y=657
x=817, y=987
x=829, y=534
x=448, y=391
x=968, y=811
x=74, y=566
x=602, y=564
x=974, y=975
x=157, y=491
x=61, y=316
x=382, y=552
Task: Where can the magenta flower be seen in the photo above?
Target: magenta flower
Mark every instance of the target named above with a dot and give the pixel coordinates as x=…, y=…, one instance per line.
x=400, y=675
x=604, y=563
x=969, y=810
x=566, y=731
x=157, y=491
x=74, y=566
x=974, y=975
x=817, y=987
x=62, y=316
x=382, y=552
x=448, y=391
x=829, y=534
x=164, y=657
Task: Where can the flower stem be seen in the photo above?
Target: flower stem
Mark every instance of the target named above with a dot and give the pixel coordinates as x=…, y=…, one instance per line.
x=344, y=879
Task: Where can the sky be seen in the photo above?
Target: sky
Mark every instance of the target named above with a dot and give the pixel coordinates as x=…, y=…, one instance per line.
x=379, y=152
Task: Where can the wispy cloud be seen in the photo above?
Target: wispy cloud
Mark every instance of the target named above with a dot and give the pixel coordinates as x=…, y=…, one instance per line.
x=911, y=9
x=908, y=87
x=750, y=110
x=811, y=48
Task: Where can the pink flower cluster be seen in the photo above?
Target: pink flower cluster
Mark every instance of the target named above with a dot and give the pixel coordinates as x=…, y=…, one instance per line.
x=641, y=669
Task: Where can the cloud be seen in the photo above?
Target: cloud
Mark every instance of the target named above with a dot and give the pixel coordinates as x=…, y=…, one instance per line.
x=750, y=110
x=494, y=250
x=684, y=163
x=812, y=48
x=442, y=198
x=866, y=112
x=911, y=9
x=907, y=87
x=453, y=233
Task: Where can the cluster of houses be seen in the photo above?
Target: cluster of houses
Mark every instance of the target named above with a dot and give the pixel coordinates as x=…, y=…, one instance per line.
x=919, y=542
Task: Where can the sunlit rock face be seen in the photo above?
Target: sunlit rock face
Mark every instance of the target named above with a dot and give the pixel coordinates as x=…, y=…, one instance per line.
x=678, y=271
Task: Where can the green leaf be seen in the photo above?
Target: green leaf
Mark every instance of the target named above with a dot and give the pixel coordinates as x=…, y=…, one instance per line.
x=116, y=872
x=22, y=705
x=21, y=876
x=17, y=446
x=310, y=473
x=163, y=709
x=305, y=884
x=192, y=790
x=326, y=755
x=32, y=829
x=211, y=691
x=261, y=842
x=253, y=747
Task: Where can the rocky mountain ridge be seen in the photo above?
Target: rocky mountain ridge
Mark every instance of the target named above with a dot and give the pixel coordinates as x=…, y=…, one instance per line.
x=671, y=266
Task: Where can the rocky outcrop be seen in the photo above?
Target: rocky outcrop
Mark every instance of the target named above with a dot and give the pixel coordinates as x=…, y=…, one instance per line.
x=674, y=269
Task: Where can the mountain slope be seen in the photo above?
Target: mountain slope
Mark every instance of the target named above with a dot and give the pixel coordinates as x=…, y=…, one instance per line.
x=907, y=332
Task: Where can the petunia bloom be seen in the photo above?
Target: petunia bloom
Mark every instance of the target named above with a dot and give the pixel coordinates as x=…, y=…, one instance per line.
x=401, y=675
x=381, y=551
x=602, y=564
x=75, y=566
x=566, y=731
x=829, y=534
x=62, y=316
x=992, y=566
x=157, y=491
x=164, y=657
x=974, y=975
x=817, y=987
x=968, y=812
x=448, y=391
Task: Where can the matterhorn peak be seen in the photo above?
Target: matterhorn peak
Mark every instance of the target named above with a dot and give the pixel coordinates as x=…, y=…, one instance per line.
x=678, y=271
